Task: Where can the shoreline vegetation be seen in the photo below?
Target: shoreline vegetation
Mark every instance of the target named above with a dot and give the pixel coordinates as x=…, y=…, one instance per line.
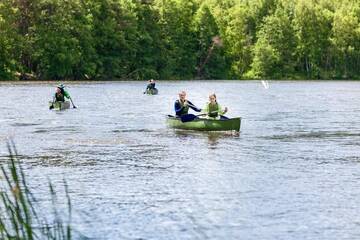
x=99, y=81
x=21, y=215
x=179, y=40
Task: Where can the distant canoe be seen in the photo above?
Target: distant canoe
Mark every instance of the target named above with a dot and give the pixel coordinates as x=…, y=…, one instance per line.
x=204, y=124
x=153, y=91
x=59, y=105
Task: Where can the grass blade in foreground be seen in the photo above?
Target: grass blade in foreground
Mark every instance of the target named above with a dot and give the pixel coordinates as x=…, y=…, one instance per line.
x=20, y=214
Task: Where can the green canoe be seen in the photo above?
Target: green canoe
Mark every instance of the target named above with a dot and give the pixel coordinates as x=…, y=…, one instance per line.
x=60, y=105
x=154, y=91
x=204, y=124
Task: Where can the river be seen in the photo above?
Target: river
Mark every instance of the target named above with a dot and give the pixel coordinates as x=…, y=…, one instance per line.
x=292, y=173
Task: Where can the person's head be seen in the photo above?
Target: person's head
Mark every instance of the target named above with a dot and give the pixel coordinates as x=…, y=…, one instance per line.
x=152, y=81
x=60, y=88
x=212, y=98
x=182, y=95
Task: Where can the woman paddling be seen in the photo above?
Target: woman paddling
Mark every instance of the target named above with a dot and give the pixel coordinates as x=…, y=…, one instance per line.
x=213, y=109
x=182, y=105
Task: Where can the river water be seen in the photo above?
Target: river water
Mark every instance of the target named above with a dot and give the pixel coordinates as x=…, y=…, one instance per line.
x=293, y=172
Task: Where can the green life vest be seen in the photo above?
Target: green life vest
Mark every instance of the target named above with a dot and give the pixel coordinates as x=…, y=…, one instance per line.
x=213, y=110
x=184, y=109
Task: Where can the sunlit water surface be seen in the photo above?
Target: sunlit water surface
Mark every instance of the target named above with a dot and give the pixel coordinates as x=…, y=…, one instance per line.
x=292, y=173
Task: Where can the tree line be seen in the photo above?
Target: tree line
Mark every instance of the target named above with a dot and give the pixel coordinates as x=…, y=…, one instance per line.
x=179, y=39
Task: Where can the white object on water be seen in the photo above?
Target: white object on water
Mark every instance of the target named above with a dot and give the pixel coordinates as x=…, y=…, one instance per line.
x=265, y=84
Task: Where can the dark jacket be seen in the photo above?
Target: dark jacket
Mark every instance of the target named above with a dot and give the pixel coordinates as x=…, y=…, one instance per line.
x=181, y=109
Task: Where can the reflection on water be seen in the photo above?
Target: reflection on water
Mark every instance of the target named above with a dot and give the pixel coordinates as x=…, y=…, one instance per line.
x=292, y=172
x=213, y=138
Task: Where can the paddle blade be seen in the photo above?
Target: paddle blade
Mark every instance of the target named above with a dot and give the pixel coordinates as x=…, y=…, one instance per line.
x=265, y=84
x=188, y=117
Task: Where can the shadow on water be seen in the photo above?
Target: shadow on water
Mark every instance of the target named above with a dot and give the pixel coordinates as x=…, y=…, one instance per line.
x=72, y=129
x=24, y=124
x=53, y=160
x=313, y=135
x=132, y=130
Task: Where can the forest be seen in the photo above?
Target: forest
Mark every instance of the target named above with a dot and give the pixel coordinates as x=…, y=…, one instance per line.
x=179, y=39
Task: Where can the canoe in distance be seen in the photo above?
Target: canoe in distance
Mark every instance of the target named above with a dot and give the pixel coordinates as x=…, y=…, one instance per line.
x=153, y=91
x=58, y=106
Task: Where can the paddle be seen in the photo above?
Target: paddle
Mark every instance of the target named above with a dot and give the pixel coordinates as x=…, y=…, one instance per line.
x=191, y=117
x=72, y=103
x=265, y=84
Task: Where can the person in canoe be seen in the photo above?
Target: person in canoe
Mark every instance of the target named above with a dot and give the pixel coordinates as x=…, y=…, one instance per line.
x=60, y=95
x=213, y=109
x=182, y=105
x=151, y=86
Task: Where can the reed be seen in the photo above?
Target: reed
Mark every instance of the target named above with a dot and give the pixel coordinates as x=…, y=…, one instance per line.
x=21, y=216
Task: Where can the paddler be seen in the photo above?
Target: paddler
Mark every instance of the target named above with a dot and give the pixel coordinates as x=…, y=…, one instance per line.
x=151, y=85
x=60, y=95
x=182, y=105
x=213, y=109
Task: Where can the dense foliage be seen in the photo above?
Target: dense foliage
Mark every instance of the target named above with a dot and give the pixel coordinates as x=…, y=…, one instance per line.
x=179, y=39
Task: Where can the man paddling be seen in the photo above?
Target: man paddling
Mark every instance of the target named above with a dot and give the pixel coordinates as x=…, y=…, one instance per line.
x=60, y=95
x=182, y=105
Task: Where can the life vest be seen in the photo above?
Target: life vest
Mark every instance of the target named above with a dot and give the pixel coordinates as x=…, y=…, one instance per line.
x=184, y=109
x=213, y=110
x=151, y=86
x=60, y=97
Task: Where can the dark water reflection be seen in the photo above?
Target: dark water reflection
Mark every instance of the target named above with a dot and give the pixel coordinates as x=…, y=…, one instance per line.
x=213, y=138
x=292, y=173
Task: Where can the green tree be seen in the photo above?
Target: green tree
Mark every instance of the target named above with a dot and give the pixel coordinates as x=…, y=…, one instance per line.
x=274, y=50
x=313, y=29
x=178, y=52
x=147, y=64
x=61, y=39
x=346, y=40
x=114, y=33
x=209, y=52
x=238, y=40
x=8, y=36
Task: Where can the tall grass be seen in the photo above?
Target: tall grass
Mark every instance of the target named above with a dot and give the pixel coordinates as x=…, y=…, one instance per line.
x=21, y=216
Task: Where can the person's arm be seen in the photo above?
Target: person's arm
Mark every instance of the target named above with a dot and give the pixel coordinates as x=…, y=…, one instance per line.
x=193, y=107
x=67, y=95
x=221, y=110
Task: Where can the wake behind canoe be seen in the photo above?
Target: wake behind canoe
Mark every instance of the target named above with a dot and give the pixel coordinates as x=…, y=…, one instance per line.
x=204, y=124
